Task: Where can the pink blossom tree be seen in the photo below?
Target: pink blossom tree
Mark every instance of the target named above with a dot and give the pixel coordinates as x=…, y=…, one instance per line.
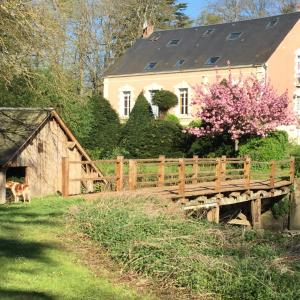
x=247, y=107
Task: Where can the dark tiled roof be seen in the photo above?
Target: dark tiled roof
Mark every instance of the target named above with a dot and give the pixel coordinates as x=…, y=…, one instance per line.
x=254, y=47
x=17, y=125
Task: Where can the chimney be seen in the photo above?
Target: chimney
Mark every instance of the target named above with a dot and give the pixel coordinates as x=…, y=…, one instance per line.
x=148, y=29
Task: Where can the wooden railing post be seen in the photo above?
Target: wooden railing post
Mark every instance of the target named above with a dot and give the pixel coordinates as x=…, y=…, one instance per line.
x=247, y=170
x=119, y=173
x=272, y=173
x=181, y=169
x=292, y=169
x=218, y=175
x=195, y=169
x=132, y=174
x=65, y=176
x=223, y=168
x=256, y=213
x=161, y=171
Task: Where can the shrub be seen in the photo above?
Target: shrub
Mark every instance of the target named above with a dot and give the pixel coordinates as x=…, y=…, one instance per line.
x=164, y=100
x=274, y=146
x=191, y=255
x=281, y=208
x=172, y=118
x=135, y=129
x=212, y=147
x=163, y=137
x=105, y=128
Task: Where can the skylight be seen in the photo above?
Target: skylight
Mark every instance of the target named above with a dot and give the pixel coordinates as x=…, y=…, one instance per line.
x=212, y=60
x=234, y=36
x=155, y=37
x=179, y=63
x=173, y=42
x=208, y=32
x=272, y=23
x=151, y=66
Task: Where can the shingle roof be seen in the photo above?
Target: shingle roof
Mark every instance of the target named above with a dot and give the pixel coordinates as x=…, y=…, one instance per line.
x=17, y=125
x=256, y=44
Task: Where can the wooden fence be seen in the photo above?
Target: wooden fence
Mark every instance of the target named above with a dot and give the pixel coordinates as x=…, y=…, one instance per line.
x=123, y=174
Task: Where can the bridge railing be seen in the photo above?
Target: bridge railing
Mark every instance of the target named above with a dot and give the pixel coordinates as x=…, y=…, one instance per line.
x=131, y=174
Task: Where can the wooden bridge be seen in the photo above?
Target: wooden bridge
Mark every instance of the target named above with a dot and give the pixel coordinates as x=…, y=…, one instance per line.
x=199, y=183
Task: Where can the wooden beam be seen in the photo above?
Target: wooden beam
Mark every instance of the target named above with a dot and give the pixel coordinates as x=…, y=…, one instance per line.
x=119, y=173
x=218, y=175
x=272, y=173
x=195, y=169
x=213, y=215
x=247, y=170
x=2, y=186
x=256, y=213
x=65, y=176
x=292, y=169
x=161, y=171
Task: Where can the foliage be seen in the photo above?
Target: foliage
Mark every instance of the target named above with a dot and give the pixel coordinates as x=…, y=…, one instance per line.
x=133, y=134
x=274, y=146
x=172, y=118
x=249, y=107
x=105, y=127
x=163, y=137
x=189, y=254
x=281, y=208
x=294, y=150
x=212, y=147
x=164, y=100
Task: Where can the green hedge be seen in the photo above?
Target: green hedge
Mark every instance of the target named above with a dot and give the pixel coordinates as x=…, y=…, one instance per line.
x=274, y=146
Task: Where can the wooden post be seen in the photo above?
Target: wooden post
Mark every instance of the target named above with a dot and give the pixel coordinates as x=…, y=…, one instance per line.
x=223, y=168
x=119, y=173
x=181, y=171
x=218, y=175
x=89, y=182
x=256, y=213
x=65, y=176
x=272, y=173
x=2, y=186
x=213, y=215
x=195, y=169
x=292, y=169
x=132, y=174
x=161, y=171
x=247, y=169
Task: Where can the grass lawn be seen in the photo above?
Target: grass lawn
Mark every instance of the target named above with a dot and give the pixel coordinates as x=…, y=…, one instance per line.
x=35, y=262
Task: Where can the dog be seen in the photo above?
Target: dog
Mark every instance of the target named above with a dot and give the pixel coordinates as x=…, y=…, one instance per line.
x=19, y=189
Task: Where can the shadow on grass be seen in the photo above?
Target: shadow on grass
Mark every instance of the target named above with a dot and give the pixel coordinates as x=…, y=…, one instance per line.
x=19, y=294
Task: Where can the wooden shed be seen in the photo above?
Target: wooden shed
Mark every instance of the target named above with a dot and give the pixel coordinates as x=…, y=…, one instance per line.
x=33, y=143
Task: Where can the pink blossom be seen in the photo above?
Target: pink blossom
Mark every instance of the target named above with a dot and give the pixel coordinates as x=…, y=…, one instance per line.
x=247, y=107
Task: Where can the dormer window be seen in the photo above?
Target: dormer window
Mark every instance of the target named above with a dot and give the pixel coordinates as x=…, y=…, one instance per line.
x=234, y=36
x=174, y=42
x=151, y=66
x=179, y=63
x=212, y=60
x=155, y=37
x=208, y=32
x=272, y=23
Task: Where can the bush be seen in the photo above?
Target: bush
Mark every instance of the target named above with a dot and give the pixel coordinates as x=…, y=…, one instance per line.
x=164, y=100
x=189, y=254
x=163, y=138
x=172, y=118
x=212, y=147
x=135, y=129
x=105, y=128
x=274, y=146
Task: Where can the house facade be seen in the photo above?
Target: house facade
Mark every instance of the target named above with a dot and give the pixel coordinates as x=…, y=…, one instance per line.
x=177, y=60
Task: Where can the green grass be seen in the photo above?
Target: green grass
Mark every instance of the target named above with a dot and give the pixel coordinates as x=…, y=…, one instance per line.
x=36, y=264
x=213, y=262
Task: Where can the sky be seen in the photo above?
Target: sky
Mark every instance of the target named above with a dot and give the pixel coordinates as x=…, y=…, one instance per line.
x=194, y=7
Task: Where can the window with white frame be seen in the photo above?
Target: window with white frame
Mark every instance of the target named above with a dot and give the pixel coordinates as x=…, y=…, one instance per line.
x=298, y=68
x=184, y=101
x=126, y=103
x=297, y=105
